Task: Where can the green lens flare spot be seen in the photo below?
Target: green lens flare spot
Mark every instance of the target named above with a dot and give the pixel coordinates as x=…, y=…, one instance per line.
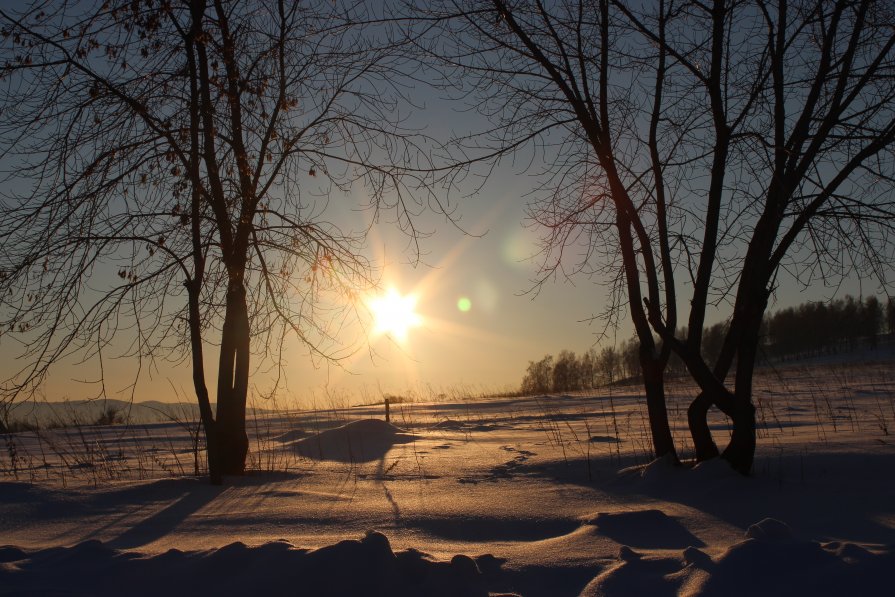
x=464, y=304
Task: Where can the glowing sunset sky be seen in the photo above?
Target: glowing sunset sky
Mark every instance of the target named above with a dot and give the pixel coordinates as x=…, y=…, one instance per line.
x=477, y=328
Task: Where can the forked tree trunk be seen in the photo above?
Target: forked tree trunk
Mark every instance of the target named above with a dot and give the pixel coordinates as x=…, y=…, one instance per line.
x=697, y=419
x=740, y=452
x=654, y=385
x=233, y=376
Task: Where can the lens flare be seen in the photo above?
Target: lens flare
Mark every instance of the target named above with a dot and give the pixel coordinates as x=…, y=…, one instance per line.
x=464, y=304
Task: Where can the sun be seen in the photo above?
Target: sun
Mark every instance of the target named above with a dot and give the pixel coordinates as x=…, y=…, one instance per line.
x=394, y=315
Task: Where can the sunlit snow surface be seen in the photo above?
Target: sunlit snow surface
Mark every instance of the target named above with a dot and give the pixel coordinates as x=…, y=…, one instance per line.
x=549, y=495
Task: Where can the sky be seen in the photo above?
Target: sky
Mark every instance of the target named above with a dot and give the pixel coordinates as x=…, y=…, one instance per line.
x=484, y=348
x=477, y=322
x=451, y=352
x=479, y=326
x=486, y=258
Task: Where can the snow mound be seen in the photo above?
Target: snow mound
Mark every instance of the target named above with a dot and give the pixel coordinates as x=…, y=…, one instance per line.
x=644, y=528
x=366, y=567
x=366, y=440
x=634, y=574
x=771, y=561
x=849, y=552
x=697, y=557
x=770, y=529
x=626, y=554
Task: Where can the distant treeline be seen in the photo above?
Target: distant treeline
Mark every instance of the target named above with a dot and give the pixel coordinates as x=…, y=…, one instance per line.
x=569, y=372
x=828, y=328
x=810, y=329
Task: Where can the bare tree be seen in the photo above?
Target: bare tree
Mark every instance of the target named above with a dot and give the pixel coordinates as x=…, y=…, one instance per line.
x=538, y=377
x=803, y=115
x=890, y=316
x=610, y=363
x=168, y=167
x=722, y=142
x=542, y=75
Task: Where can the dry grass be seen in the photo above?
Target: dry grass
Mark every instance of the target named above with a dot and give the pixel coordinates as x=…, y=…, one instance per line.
x=833, y=403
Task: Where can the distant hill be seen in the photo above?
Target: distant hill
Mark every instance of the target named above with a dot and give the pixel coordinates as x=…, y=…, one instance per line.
x=102, y=411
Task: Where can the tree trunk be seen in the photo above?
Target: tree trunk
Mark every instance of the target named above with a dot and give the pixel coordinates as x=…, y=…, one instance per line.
x=208, y=422
x=233, y=375
x=740, y=452
x=697, y=419
x=654, y=385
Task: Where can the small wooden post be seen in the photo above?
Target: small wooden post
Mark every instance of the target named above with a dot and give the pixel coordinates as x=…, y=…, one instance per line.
x=387, y=413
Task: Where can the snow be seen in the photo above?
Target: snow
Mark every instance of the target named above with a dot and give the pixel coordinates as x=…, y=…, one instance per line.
x=525, y=496
x=365, y=440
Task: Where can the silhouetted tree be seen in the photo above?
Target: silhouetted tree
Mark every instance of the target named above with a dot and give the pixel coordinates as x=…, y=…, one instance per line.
x=540, y=74
x=539, y=376
x=871, y=320
x=174, y=165
x=721, y=141
x=587, y=369
x=712, y=341
x=820, y=327
x=807, y=79
x=890, y=315
x=609, y=364
x=629, y=355
x=565, y=372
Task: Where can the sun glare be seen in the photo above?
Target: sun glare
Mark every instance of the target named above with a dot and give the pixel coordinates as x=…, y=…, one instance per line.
x=394, y=314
